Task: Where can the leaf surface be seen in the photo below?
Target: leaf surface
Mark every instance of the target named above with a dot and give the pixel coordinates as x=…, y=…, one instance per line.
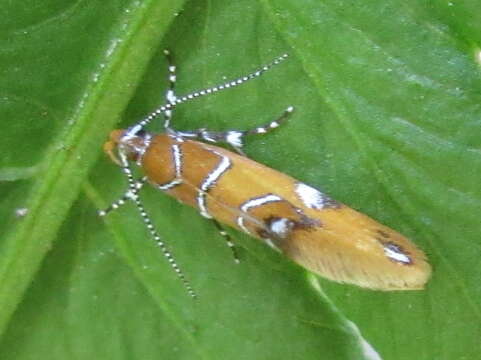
x=387, y=120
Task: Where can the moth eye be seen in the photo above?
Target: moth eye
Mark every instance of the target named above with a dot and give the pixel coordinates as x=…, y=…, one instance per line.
x=141, y=133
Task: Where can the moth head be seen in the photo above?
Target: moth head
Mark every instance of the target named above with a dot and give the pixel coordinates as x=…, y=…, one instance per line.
x=126, y=145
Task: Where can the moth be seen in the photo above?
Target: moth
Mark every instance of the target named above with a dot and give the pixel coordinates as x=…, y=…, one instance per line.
x=309, y=227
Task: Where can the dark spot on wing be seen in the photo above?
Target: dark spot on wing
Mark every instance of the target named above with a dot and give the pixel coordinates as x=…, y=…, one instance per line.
x=384, y=234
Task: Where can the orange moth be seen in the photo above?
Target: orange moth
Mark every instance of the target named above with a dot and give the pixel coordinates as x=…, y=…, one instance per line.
x=321, y=234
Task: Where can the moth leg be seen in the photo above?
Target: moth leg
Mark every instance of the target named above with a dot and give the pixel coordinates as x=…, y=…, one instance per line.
x=273, y=124
x=170, y=96
x=227, y=239
x=128, y=195
x=235, y=138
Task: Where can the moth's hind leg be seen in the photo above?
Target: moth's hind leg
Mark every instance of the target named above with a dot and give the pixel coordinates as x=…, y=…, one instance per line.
x=271, y=125
x=235, y=138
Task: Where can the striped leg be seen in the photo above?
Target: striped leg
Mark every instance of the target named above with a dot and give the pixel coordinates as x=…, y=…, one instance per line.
x=235, y=138
x=228, y=240
x=129, y=195
x=170, y=95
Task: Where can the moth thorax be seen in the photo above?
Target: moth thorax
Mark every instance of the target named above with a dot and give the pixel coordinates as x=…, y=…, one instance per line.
x=132, y=146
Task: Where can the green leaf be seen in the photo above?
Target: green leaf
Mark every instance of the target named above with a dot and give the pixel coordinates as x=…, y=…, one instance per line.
x=387, y=120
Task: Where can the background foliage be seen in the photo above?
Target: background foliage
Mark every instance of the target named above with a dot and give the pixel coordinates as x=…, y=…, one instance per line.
x=387, y=97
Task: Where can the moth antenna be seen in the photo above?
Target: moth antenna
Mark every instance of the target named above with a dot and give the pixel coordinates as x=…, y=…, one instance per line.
x=134, y=196
x=230, y=84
